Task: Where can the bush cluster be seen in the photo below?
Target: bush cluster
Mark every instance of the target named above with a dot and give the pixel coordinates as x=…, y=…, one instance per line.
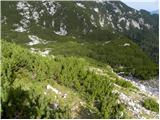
x=151, y=104
x=23, y=75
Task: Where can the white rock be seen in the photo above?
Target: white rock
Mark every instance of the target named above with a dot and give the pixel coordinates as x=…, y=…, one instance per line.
x=52, y=10
x=20, y=5
x=122, y=18
x=51, y=7
x=143, y=117
x=107, y=42
x=135, y=24
x=24, y=7
x=44, y=23
x=117, y=10
x=148, y=26
x=130, y=12
x=65, y=96
x=24, y=11
x=96, y=10
x=119, y=26
x=121, y=5
x=112, y=25
x=35, y=16
x=101, y=22
x=82, y=103
x=93, y=21
x=127, y=25
x=41, y=12
x=55, y=105
x=115, y=91
x=62, y=30
x=44, y=53
x=109, y=18
x=20, y=29
x=4, y=18
x=121, y=114
x=99, y=1
x=131, y=103
x=124, y=98
x=24, y=22
x=136, y=110
x=52, y=23
x=81, y=5
x=35, y=40
x=141, y=20
x=142, y=87
x=126, y=44
x=33, y=49
x=53, y=89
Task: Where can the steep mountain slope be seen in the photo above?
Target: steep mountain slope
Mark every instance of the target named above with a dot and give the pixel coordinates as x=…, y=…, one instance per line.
x=34, y=86
x=86, y=29
x=77, y=18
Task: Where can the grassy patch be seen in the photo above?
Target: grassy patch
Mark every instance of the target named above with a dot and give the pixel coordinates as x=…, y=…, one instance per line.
x=151, y=104
x=125, y=84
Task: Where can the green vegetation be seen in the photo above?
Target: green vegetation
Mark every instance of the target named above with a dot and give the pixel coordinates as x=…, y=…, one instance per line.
x=125, y=84
x=100, y=44
x=151, y=104
x=25, y=77
x=128, y=59
x=80, y=61
x=132, y=59
x=77, y=19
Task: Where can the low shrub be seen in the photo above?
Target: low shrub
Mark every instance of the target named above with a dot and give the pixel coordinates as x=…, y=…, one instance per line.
x=151, y=104
x=123, y=83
